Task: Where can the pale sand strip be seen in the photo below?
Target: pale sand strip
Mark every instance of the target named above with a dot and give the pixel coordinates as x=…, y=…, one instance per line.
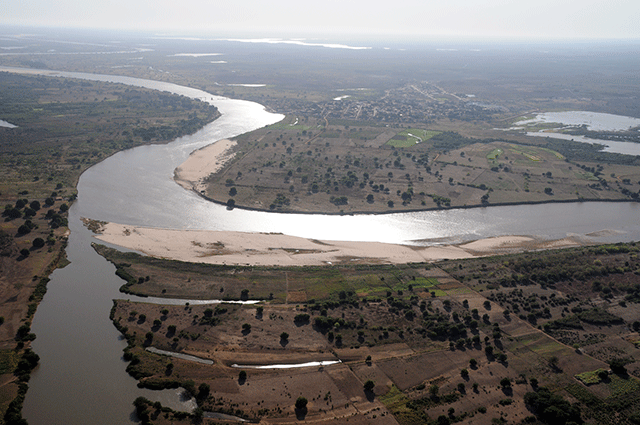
x=237, y=248
x=192, y=173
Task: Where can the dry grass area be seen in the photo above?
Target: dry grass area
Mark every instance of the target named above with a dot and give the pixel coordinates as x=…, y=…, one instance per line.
x=460, y=328
x=306, y=165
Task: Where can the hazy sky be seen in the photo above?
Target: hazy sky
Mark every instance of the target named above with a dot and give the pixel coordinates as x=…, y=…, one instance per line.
x=490, y=18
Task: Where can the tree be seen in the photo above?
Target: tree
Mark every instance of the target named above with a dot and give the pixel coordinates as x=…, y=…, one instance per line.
x=203, y=391
x=231, y=204
x=433, y=390
x=25, y=252
x=284, y=336
x=301, y=403
x=246, y=328
x=12, y=213
x=38, y=243
x=301, y=318
x=24, y=229
x=505, y=382
x=618, y=366
x=244, y=294
x=233, y=191
x=242, y=376
x=548, y=190
x=369, y=385
x=370, y=199
x=443, y=420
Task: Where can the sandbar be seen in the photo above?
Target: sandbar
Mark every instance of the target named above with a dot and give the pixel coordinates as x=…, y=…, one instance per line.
x=269, y=249
x=192, y=173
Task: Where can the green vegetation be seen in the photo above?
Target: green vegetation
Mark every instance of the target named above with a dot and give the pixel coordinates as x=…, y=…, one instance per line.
x=592, y=377
x=411, y=137
x=494, y=154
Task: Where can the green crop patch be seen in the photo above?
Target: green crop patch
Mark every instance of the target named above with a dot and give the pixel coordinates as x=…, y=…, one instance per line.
x=591, y=378
x=494, y=154
x=411, y=137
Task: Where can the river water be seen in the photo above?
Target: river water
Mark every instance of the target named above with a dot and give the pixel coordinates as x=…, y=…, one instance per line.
x=82, y=378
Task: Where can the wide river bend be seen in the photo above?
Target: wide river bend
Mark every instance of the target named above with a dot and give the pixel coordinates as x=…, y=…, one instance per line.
x=82, y=378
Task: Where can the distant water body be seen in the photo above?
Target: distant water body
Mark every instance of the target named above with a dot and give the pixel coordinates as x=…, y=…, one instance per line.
x=594, y=121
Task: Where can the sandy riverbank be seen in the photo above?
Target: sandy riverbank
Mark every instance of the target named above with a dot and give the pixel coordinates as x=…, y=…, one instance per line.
x=192, y=173
x=221, y=247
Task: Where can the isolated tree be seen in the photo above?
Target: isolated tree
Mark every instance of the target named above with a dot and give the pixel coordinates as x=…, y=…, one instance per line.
x=433, y=390
x=38, y=243
x=242, y=376
x=369, y=385
x=284, y=336
x=24, y=229
x=618, y=366
x=301, y=403
x=203, y=391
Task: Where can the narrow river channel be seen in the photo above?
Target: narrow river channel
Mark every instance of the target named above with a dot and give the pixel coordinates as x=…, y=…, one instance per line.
x=82, y=378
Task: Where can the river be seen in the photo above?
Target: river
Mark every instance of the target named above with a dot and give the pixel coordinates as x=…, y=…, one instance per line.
x=82, y=378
